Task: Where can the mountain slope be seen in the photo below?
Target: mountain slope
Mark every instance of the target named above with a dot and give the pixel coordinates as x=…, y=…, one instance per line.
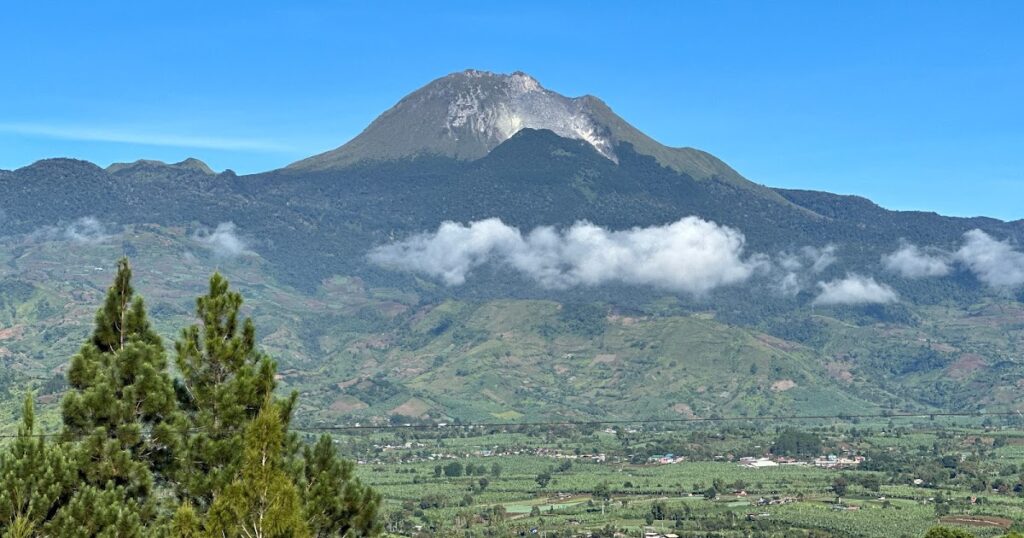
x=358, y=351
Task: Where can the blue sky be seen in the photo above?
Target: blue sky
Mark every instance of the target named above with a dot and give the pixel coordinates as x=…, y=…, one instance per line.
x=916, y=105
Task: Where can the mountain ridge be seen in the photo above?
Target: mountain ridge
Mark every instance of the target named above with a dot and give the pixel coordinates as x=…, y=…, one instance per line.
x=190, y=163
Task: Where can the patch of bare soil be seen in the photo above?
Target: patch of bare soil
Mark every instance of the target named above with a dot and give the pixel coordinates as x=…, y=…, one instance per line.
x=623, y=320
x=12, y=332
x=412, y=408
x=684, y=410
x=967, y=364
x=776, y=343
x=840, y=371
x=783, y=385
x=978, y=521
x=347, y=404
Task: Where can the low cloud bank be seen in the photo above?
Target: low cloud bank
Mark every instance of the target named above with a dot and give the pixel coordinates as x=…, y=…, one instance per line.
x=854, y=289
x=690, y=255
x=224, y=240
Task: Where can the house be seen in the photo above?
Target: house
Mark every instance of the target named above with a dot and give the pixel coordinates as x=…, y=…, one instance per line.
x=832, y=461
x=752, y=463
x=666, y=459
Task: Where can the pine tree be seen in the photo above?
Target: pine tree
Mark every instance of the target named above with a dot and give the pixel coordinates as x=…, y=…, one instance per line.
x=207, y=455
x=336, y=502
x=120, y=413
x=225, y=381
x=186, y=523
x=105, y=511
x=262, y=501
x=35, y=479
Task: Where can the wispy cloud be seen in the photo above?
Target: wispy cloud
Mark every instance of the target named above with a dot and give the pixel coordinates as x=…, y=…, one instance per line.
x=130, y=136
x=83, y=231
x=223, y=240
x=794, y=269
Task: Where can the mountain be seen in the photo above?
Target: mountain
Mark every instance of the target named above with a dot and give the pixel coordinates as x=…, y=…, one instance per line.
x=187, y=164
x=805, y=309
x=465, y=115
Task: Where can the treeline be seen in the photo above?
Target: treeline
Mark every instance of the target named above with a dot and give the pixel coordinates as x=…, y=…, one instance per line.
x=206, y=452
x=792, y=442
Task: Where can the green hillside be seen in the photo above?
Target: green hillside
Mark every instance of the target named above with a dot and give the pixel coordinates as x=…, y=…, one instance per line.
x=358, y=352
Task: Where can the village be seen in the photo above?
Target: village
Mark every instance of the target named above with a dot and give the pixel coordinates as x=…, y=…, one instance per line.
x=412, y=452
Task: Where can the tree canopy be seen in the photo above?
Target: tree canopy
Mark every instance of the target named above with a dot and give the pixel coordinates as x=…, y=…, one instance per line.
x=206, y=453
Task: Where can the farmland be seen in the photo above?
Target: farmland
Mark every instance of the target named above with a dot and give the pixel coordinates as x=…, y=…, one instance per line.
x=569, y=481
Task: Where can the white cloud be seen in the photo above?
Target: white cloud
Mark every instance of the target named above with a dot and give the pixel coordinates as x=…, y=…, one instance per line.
x=131, y=136
x=854, y=289
x=912, y=262
x=452, y=251
x=690, y=255
x=996, y=263
x=223, y=240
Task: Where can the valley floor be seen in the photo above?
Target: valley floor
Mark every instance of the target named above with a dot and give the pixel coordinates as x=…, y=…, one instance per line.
x=599, y=483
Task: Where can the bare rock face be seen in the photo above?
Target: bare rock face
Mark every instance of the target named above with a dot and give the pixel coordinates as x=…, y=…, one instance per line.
x=465, y=115
x=514, y=102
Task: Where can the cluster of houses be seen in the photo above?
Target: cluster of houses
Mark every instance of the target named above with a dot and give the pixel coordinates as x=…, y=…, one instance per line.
x=404, y=446
x=828, y=462
x=650, y=533
x=562, y=455
x=774, y=501
x=832, y=461
x=665, y=459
